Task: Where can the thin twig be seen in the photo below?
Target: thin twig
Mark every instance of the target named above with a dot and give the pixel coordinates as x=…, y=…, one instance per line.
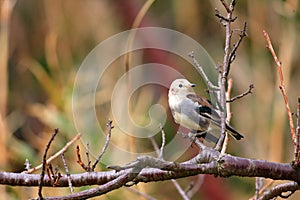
x=232, y=55
x=163, y=137
x=180, y=190
x=249, y=91
x=159, y=153
x=51, y=158
x=297, y=152
x=114, y=184
x=68, y=173
x=226, y=6
x=193, y=188
x=224, y=71
x=87, y=153
x=87, y=168
x=263, y=189
x=54, y=176
x=142, y=194
x=45, y=163
x=155, y=145
x=222, y=18
x=282, y=88
x=203, y=74
x=109, y=128
x=258, y=185
x=228, y=92
x=48, y=169
x=280, y=189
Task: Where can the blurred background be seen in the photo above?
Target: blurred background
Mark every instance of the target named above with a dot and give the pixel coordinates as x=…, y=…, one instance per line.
x=43, y=43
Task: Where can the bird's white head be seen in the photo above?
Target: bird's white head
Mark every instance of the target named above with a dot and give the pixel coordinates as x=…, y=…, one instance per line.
x=181, y=87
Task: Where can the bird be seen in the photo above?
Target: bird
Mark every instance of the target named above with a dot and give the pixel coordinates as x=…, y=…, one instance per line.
x=193, y=111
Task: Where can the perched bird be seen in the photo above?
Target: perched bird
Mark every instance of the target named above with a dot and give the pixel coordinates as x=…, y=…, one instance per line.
x=194, y=112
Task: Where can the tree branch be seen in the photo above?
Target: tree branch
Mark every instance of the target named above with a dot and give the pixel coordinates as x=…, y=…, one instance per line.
x=249, y=91
x=297, y=152
x=45, y=163
x=109, y=128
x=283, y=91
x=278, y=190
x=51, y=158
x=209, y=161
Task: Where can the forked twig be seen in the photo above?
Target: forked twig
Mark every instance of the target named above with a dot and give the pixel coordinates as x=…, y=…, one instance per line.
x=109, y=128
x=229, y=57
x=51, y=158
x=87, y=168
x=45, y=163
x=203, y=74
x=249, y=91
x=159, y=153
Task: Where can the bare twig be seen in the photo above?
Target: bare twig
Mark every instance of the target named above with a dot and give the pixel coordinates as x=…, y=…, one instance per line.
x=109, y=128
x=263, y=189
x=208, y=161
x=226, y=6
x=249, y=91
x=297, y=152
x=51, y=158
x=224, y=71
x=282, y=89
x=278, y=191
x=105, y=188
x=159, y=153
x=232, y=55
x=258, y=185
x=45, y=163
x=54, y=176
x=87, y=153
x=203, y=74
x=163, y=137
x=195, y=186
x=142, y=194
x=68, y=173
x=180, y=190
x=48, y=169
x=228, y=92
x=223, y=18
x=229, y=57
x=155, y=145
x=87, y=168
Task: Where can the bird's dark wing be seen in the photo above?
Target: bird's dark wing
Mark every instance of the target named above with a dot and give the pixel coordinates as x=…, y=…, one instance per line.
x=205, y=107
x=201, y=101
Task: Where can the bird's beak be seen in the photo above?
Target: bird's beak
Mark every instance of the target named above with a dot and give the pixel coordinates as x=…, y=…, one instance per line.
x=192, y=85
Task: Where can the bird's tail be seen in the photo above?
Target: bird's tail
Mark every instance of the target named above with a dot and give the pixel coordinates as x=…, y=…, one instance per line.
x=234, y=132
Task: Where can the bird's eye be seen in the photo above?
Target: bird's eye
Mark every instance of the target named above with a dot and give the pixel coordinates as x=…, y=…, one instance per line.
x=180, y=85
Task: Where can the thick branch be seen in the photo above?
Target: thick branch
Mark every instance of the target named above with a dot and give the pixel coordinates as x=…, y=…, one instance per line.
x=212, y=162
